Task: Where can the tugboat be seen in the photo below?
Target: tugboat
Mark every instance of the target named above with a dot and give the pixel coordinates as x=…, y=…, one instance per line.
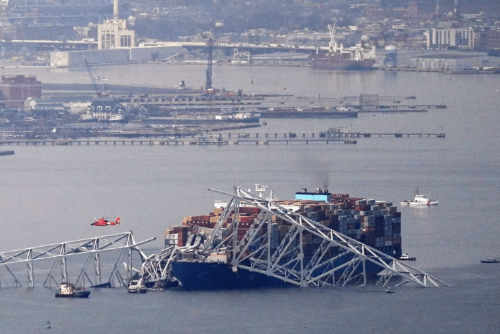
x=420, y=200
x=68, y=290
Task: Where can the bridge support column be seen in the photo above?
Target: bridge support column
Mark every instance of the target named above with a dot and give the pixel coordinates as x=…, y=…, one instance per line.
x=31, y=277
x=97, y=268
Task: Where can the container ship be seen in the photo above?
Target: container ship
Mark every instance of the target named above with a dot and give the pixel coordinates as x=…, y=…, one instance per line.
x=316, y=239
x=339, y=58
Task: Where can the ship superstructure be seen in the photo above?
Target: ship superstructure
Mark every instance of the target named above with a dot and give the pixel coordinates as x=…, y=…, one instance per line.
x=339, y=58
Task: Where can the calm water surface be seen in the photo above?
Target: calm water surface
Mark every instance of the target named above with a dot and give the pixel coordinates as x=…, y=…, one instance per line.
x=51, y=194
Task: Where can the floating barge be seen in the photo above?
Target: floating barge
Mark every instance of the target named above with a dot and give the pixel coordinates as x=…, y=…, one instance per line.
x=6, y=152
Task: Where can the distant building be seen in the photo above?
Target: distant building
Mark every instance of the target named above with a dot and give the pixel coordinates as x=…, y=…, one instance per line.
x=43, y=105
x=456, y=38
x=478, y=16
x=17, y=88
x=102, y=110
x=492, y=39
x=451, y=62
x=412, y=9
x=114, y=34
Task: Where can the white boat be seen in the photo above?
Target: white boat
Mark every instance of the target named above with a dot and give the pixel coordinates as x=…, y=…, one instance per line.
x=136, y=286
x=117, y=118
x=419, y=200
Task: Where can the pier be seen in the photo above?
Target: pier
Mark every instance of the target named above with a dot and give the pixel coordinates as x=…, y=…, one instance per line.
x=229, y=138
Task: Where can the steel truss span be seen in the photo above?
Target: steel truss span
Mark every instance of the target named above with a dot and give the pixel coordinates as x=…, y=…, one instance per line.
x=260, y=252
x=89, y=249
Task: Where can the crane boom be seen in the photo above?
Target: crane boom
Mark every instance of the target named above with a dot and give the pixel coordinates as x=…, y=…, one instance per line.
x=92, y=79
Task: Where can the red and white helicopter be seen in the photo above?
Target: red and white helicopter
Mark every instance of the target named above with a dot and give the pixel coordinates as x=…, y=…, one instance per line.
x=101, y=221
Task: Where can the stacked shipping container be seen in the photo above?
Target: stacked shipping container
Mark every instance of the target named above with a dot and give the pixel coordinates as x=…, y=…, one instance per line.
x=375, y=223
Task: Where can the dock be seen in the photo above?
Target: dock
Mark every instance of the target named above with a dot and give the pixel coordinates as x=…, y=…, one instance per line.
x=229, y=138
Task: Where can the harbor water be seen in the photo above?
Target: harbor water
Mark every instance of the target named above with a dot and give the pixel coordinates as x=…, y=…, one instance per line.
x=51, y=194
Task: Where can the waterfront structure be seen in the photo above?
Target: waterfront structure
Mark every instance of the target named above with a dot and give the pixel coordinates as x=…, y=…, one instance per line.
x=456, y=38
x=102, y=110
x=113, y=56
x=17, y=88
x=450, y=62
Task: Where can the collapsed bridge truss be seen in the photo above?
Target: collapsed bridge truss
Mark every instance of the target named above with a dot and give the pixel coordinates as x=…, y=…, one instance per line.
x=336, y=260
x=91, y=248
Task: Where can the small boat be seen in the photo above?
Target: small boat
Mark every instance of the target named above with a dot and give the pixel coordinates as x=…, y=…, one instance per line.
x=68, y=290
x=406, y=257
x=136, y=286
x=490, y=260
x=420, y=200
x=389, y=290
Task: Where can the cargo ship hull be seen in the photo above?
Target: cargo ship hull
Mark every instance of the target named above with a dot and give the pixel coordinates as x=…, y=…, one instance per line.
x=216, y=276
x=335, y=63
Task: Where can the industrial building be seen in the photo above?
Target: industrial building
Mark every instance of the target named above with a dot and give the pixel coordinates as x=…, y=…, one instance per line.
x=452, y=62
x=17, y=88
x=113, y=56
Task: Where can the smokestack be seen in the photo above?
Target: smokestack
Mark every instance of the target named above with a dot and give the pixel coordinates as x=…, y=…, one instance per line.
x=115, y=10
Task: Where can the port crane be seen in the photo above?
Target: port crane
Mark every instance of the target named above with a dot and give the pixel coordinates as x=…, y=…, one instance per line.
x=100, y=93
